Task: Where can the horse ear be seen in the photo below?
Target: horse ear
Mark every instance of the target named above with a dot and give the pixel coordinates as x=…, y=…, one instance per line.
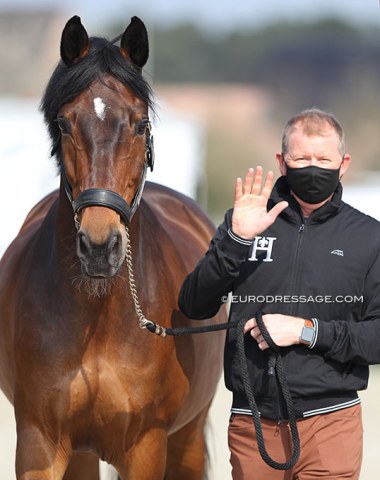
x=134, y=43
x=74, y=41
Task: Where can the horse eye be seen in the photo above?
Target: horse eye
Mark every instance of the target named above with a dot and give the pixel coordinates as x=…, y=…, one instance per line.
x=63, y=125
x=141, y=126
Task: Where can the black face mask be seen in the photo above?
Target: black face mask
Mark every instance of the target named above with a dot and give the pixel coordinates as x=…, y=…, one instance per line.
x=312, y=184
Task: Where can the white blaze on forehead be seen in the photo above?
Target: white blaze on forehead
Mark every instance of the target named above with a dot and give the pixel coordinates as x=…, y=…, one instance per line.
x=100, y=108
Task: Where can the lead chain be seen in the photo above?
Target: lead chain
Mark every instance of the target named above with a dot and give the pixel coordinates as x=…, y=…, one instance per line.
x=143, y=321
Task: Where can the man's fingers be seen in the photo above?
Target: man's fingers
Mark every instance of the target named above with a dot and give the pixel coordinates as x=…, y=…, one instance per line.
x=263, y=345
x=248, y=181
x=256, y=187
x=268, y=184
x=276, y=210
x=238, y=189
x=252, y=184
x=250, y=325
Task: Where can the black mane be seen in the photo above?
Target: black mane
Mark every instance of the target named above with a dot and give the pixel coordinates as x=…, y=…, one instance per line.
x=67, y=82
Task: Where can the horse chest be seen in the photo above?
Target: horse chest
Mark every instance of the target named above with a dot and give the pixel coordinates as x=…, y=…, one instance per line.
x=119, y=401
x=109, y=383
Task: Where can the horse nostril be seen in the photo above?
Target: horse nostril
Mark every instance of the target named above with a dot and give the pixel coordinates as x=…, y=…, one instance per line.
x=83, y=245
x=100, y=256
x=114, y=248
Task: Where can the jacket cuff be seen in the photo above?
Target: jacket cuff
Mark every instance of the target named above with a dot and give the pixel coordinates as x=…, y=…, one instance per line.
x=325, y=333
x=234, y=246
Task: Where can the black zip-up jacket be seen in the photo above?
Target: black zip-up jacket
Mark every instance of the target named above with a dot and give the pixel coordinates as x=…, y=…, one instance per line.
x=325, y=268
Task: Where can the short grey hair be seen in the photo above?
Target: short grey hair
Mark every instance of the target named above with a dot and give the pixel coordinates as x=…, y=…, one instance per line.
x=313, y=121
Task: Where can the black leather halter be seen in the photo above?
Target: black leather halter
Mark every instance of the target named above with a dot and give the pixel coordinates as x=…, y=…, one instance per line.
x=107, y=198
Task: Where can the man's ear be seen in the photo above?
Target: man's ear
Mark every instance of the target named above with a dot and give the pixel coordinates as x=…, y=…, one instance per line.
x=281, y=163
x=344, y=165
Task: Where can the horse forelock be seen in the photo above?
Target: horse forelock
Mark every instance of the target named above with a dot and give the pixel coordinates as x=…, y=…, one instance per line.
x=68, y=82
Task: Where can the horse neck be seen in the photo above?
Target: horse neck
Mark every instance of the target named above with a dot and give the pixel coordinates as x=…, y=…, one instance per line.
x=138, y=239
x=64, y=228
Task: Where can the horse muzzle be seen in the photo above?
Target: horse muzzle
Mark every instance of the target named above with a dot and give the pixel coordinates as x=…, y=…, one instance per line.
x=100, y=260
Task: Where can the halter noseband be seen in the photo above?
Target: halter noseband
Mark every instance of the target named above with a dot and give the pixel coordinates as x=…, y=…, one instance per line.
x=107, y=198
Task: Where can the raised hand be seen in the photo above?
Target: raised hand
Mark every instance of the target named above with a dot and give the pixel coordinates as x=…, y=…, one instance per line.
x=250, y=216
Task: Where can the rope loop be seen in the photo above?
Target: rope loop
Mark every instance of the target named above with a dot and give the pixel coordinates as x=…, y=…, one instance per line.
x=275, y=368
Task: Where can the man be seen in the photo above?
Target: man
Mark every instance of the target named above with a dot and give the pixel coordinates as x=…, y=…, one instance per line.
x=311, y=265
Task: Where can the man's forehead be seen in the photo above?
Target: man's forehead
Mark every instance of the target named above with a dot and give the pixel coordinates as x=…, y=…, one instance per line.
x=314, y=127
x=322, y=143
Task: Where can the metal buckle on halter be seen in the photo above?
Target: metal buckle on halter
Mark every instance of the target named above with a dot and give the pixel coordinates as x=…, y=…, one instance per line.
x=76, y=221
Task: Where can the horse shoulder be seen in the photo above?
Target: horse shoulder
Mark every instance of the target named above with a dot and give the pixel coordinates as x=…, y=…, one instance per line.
x=40, y=210
x=20, y=246
x=181, y=217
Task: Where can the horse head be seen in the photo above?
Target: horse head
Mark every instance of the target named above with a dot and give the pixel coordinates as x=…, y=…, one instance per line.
x=96, y=106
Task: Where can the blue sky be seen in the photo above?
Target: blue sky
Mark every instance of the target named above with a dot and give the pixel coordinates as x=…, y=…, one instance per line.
x=216, y=15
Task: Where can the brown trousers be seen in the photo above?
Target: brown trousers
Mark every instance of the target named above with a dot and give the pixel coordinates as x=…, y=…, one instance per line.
x=331, y=447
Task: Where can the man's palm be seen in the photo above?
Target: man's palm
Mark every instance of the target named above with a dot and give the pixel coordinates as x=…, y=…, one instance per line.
x=250, y=216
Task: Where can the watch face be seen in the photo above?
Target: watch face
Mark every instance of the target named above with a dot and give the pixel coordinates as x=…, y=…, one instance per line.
x=307, y=334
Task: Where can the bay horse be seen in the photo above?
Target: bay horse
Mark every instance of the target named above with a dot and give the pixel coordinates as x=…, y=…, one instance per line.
x=86, y=381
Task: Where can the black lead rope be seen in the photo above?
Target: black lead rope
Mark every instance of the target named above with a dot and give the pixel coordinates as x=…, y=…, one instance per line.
x=158, y=330
x=275, y=368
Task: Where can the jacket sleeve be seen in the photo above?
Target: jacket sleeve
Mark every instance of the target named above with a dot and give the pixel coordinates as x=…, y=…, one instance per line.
x=206, y=288
x=356, y=341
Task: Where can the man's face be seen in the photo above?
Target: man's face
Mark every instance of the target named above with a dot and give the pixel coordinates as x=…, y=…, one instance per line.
x=321, y=150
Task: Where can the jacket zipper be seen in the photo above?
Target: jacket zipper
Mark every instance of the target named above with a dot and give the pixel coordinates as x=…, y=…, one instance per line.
x=301, y=229
x=301, y=235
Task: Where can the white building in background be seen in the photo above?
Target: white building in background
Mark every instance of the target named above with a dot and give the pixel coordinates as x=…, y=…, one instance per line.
x=179, y=149
x=28, y=173
x=365, y=196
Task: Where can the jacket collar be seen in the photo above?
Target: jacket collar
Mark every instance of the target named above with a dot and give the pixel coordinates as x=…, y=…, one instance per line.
x=292, y=213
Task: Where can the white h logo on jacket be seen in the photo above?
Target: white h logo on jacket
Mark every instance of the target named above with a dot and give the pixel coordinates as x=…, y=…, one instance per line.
x=263, y=244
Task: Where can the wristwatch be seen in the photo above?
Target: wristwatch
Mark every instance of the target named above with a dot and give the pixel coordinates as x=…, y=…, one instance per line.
x=307, y=334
